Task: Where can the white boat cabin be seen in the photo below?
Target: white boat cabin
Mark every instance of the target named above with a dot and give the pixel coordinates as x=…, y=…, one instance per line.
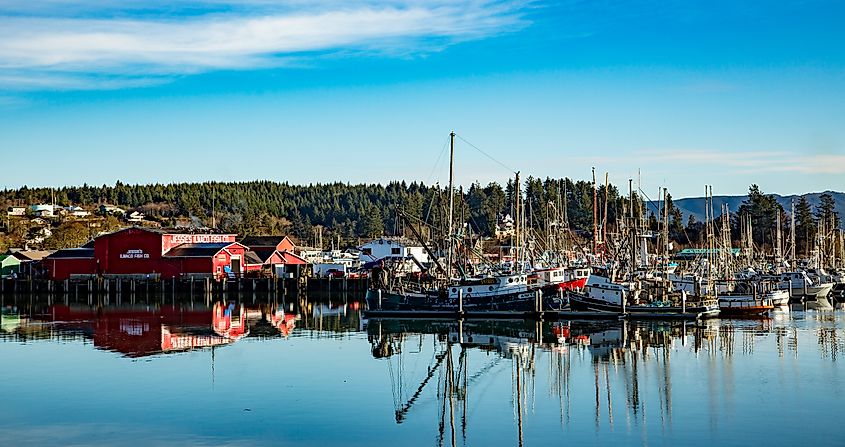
x=601, y=288
x=489, y=286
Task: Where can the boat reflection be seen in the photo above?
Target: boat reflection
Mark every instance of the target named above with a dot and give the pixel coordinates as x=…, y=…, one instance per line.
x=628, y=366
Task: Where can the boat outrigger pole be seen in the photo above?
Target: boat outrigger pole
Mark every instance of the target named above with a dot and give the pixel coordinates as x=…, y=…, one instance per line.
x=417, y=235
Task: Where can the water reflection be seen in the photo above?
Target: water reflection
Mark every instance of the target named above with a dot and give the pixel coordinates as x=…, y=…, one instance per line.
x=463, y=382
x=631, y=365
x=146, y=329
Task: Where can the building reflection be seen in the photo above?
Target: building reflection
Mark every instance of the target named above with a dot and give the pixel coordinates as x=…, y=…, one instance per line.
x=146, y=329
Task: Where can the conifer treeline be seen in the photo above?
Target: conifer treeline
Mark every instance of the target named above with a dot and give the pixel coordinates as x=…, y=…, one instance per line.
x=368, y=210
x=362, y=210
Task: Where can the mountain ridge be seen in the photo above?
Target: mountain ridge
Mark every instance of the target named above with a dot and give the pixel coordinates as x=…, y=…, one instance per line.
x=696, y=205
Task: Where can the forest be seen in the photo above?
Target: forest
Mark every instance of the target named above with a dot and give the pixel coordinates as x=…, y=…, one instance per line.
x=346, y=212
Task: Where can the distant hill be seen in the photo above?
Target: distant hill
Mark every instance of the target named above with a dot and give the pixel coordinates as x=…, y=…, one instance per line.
x=695, y=205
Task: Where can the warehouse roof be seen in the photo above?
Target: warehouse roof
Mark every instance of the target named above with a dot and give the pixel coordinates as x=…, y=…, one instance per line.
x=72, y=253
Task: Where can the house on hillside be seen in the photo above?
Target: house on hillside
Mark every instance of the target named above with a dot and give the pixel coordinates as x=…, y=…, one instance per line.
x=77, y=211
x=134, y=217
x=106, y=209
x=505, y=227
x=42, y=210
x=16, y=211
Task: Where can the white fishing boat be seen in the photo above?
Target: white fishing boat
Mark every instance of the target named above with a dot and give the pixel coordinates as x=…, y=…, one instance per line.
x=600, y=294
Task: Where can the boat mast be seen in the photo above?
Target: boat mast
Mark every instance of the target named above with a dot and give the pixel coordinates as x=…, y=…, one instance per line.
x=595, y=216
x=604, y=217
x=451, y=202
x=792, y=237
x=665, y=233
x=778, y=240
x=518, y=221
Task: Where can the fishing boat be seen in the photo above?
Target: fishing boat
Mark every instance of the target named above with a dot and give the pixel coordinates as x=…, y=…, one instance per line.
x=800, y=285
x=600, y=294
x=492, y=291
x=739, y=304
x=495, y=292
x=561, y=279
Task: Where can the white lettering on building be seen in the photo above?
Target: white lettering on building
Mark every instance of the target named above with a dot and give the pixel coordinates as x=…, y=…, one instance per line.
x=200, y=238
x=135, y=254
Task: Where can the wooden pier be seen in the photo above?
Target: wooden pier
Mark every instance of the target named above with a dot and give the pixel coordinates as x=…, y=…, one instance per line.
x=143, y=285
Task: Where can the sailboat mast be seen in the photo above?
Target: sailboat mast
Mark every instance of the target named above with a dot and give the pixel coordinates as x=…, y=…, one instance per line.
x=451, y=202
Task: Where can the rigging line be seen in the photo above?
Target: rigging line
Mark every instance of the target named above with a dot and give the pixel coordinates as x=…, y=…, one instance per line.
x=513, y=171
x=648, y=201
x=437, y=162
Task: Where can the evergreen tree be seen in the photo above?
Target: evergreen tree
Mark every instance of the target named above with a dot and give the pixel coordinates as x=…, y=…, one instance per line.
x=805, y=227
x=371, y=224
x=763, y=210
x=826, y=211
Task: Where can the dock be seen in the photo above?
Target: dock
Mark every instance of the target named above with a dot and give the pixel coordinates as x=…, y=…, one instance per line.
x=551, y=315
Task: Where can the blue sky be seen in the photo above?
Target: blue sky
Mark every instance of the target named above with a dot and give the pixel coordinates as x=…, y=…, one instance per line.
x=685, y=93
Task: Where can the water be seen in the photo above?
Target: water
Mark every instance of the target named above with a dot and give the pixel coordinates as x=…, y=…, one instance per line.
x=147, y=372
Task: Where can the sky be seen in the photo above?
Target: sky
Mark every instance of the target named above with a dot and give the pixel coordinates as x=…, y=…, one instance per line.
x=679, y=94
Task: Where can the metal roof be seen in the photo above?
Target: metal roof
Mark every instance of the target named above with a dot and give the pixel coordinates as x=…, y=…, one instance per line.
x=73, y=253
x=263, y=241
x=252, y=258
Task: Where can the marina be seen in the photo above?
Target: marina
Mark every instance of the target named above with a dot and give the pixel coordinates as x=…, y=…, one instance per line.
x=274, y=367
x=421, y=223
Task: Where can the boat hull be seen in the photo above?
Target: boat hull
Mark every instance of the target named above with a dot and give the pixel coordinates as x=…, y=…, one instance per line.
x=744, y=307
x=578, y=301
x=524, y=301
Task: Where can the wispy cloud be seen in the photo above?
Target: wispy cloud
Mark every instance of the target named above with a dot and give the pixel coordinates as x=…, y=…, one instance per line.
x=71, y=42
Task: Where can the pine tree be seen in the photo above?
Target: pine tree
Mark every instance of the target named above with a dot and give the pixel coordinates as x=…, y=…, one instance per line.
x=805, y=226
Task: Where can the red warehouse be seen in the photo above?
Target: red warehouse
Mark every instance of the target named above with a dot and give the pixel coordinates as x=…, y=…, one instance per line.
x=157, y=253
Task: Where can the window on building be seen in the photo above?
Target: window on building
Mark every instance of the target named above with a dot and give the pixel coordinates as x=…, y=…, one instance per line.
x=394, y=251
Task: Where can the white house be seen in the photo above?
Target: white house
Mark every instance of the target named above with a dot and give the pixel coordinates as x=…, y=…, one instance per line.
x=135, y=216
x=77, y=211
x=395, y=248
x=111, y=209
x=42, y=210
x=505, y=227
x=16, y=211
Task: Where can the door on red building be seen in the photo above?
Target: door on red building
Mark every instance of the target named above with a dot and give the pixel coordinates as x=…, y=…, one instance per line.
x=236, y=265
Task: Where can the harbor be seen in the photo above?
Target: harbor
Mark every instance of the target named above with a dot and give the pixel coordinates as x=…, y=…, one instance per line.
x=421, y=223
x=428, y=381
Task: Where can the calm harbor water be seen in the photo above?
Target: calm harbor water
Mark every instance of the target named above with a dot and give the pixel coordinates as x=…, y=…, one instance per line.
x=194, y=371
